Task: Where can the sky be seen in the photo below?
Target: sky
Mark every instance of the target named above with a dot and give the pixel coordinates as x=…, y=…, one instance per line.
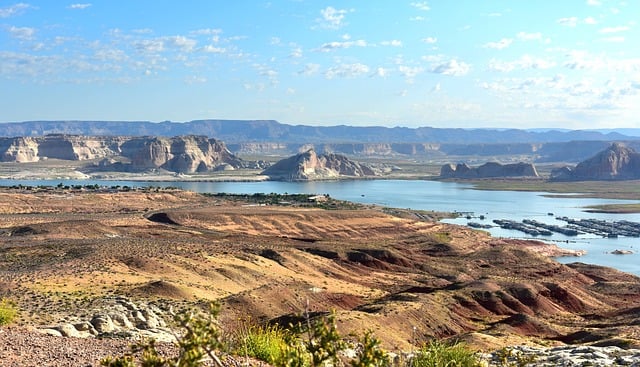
x=571, y=64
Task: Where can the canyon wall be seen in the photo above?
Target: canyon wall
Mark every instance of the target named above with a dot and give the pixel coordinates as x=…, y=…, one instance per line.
x=183, y=154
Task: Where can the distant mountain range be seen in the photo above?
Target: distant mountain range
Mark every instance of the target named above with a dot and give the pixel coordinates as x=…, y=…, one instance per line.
x=240, y=131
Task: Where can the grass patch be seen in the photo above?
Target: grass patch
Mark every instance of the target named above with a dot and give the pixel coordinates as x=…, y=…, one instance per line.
x=439, y=354
x=8, y=311
x=266, y=343
x=614, y=208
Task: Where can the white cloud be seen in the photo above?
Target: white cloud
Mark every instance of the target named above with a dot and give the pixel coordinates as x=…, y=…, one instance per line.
x=436, y=88
x=525, y=62
x=581, y=60
x=142, y=31
x=417, y=19
x=194, y=79
x=181, y=42
x=214, y=49
x=79, y=6
x=430, y=40
x=524, y=36
x=423, y=5
x=590, y=21
x=381, y=72
x=110, y=54
x=296, y=52
x=208, y=31
x=614, y=29
x=616, y=39
x=310, y=69
x=568, y=21
x=149, y=46
x=13, y=10
x=503, y=43
x=271, y=74
x=330, y=46
x=394, y=43
x=410, y=72
x=346, y=71
x=594, y=2
x=22, y=33
x=332, y=18
x=161, y=44
x=451, y=67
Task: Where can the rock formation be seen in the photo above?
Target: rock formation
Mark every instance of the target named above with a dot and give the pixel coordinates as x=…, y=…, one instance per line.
x=488, y=170
x=617, y=162
x=18, y=150
x=183, y=154
x=312, y=166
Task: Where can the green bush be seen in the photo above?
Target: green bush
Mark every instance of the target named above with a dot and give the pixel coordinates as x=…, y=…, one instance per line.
x=439, y=354
x=370, y=354
x=8, y=311
x=266, y=343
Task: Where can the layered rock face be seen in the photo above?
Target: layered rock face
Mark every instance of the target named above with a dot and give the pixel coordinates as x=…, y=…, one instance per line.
x=488, y=170
x=312, y=166
x=19, y=150
x=617, y=162
x=184, y=154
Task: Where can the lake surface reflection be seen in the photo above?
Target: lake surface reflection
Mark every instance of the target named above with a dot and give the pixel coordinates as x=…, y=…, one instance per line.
x=440, y=196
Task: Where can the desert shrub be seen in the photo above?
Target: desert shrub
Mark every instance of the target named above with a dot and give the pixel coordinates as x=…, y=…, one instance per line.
x=324, y=342
x=314, y=344
x=266, y=343
x=8, y=311
x=370, y=354
x=439, y=354
x=508, y=357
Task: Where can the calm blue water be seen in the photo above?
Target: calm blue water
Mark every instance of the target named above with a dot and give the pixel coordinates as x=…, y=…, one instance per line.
x=439, y=196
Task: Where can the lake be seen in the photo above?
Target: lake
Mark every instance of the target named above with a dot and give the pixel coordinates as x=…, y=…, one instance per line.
x=441, y=196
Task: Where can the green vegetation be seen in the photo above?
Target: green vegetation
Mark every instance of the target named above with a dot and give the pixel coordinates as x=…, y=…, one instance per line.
x=507, y=357
x=441, y=238
x=8, y=311
x=614, y=208
x=297, y=200
x=438, y=354
x=266, y=343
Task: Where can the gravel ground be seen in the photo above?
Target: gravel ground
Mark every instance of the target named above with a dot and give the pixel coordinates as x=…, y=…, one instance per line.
x=23, y=348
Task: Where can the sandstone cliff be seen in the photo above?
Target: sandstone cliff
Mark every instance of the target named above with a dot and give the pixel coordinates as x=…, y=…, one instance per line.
x=488, y=170
x=617, y=162
x=312, y=166
x=183, y=154
x=18, y=150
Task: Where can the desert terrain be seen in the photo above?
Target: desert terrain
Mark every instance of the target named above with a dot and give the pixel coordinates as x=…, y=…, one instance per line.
x=69, y=254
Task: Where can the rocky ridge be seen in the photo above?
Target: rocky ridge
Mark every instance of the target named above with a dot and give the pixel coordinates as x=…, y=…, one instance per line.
x=183, y=154
x=617, y=162
x=312, y=166
x=488, y=170
x=120, y=317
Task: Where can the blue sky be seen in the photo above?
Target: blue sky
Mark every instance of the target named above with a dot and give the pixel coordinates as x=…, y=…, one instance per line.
x=563, y=64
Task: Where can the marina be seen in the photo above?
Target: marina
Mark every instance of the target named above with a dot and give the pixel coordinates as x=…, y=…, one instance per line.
x=575, y=227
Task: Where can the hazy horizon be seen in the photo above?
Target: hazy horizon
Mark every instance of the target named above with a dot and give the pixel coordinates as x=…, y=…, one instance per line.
x=463, y=64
